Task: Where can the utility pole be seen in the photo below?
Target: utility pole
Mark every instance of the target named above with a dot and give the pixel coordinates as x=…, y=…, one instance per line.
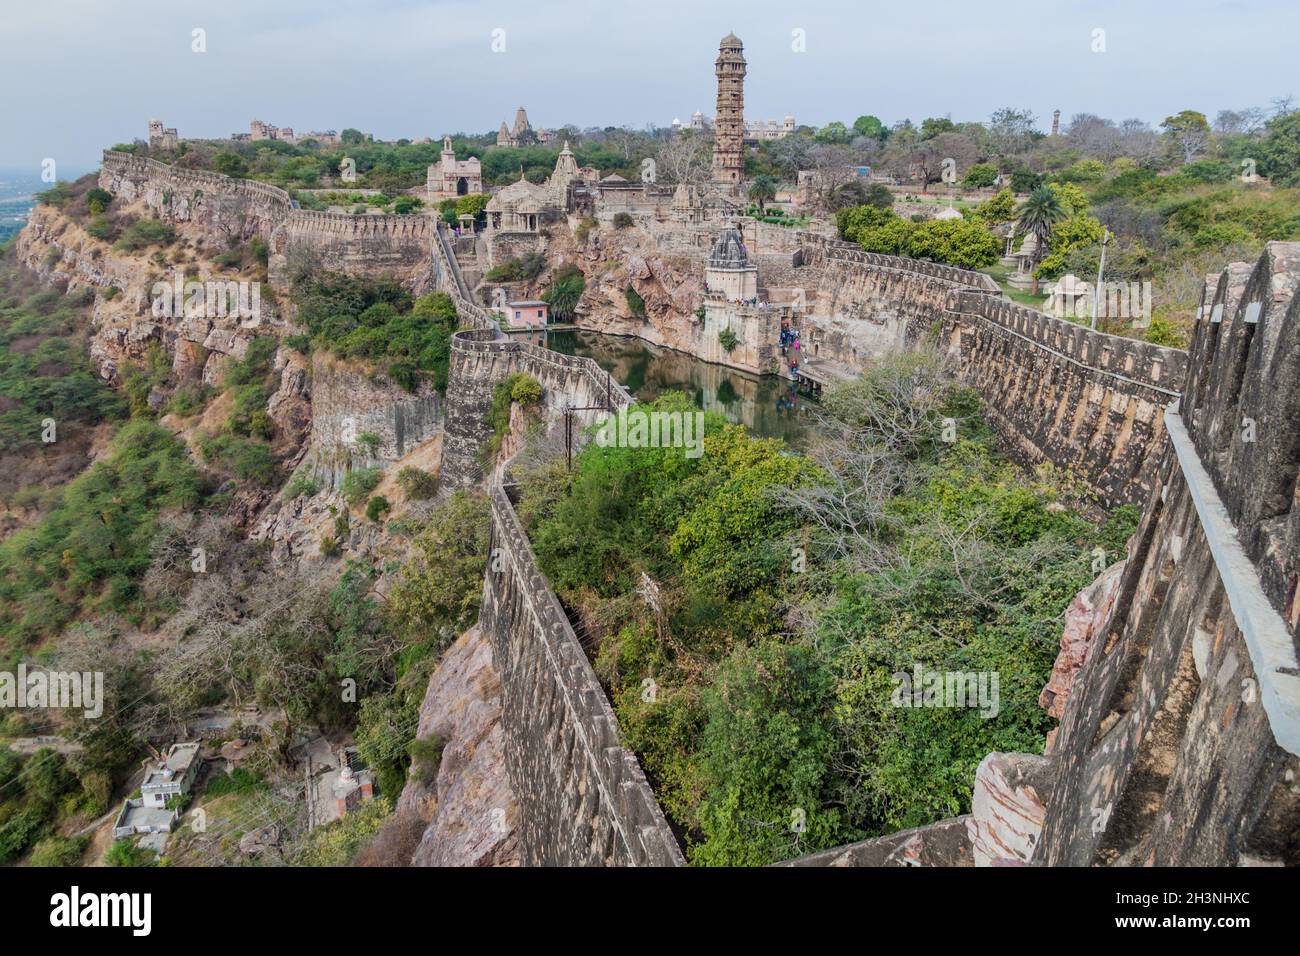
x=568, y=427
x=1101, y=271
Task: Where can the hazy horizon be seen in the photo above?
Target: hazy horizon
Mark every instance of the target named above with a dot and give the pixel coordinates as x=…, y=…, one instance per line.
x=81, y=76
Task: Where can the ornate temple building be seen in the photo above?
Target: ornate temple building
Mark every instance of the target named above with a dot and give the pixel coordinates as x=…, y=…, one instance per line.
x=522, y=133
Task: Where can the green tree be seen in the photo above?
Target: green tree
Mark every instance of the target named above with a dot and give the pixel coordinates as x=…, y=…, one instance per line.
x=564, y=292
x=762, y=190
x=1189, y=132
x=1279, y=150
x=980, y=175
x=1000, y=208
x=871, y=127
x=1038, y=217
x=964, y=243
x=230, y=164
x=835, y=133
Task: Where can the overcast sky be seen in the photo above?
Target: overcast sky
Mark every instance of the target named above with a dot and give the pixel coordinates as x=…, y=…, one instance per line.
x=79, y=75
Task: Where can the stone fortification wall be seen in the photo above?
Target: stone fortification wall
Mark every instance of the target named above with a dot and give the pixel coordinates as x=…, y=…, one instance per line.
x=1091, y=404
x=1179, y=743
x=583, y=798
x=482, y=357
x=240, y=209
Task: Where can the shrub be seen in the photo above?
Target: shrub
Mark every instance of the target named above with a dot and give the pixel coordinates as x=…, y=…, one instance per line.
x=980, y=175
x=525, y=268
x=427, y=757
x=125, y=853
x=525, y=389
x=439, y=588
x=102, y=228
x=97, y=200
x=635, y=302
x=238, y=780
x=728, y=339
x=359, y=483
x=301, y=485
x=92, y=548
x=59, y=851
x=145, y=232
x=376, y=319
x=416, y=483
x=622, y=220
x=377, y=507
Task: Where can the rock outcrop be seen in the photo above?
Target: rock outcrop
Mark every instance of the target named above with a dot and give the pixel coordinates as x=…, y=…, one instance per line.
x=469, y=808
x=1007, y=808
x=1085, y=618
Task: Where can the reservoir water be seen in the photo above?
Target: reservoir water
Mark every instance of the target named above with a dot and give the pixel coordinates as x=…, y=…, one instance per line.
x=766, y=405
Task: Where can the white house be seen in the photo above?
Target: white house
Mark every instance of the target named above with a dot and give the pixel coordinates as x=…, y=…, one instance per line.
x=173, y=776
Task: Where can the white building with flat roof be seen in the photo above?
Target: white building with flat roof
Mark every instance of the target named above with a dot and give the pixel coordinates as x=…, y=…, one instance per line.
x=173, y=776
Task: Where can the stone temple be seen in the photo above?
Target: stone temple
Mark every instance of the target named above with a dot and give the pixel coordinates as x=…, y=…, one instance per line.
x=730, y=273
x=451, y=177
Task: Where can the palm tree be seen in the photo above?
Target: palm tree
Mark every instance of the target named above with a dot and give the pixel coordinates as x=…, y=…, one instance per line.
x=565, y=290
x=762, y=190
x=1038, y=217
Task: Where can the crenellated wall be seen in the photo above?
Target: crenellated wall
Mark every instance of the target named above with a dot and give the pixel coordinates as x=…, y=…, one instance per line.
x=357, y=245
x=243, y=208
x=583, y=798
x=1092, y=404
x=1179, y=743
x=238, y=207
x=1089, y=403
x=861, y=305
x=482, y=357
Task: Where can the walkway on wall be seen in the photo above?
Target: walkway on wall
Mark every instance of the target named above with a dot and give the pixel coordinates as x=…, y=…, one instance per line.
x=472, y=315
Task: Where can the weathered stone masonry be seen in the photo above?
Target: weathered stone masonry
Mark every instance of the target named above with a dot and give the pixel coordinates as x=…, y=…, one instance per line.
x=1179, y=745
x=482, y=357
x=243, y=208
x=583, y=798
x=1089, y=403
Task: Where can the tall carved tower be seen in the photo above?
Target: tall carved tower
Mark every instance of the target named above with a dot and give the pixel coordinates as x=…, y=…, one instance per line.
x=729, y=124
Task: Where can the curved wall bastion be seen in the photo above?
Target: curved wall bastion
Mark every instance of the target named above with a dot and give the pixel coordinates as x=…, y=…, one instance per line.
x=482, y=357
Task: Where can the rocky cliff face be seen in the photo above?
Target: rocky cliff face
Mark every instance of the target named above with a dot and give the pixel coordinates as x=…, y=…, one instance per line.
x=126, y=326
x=671, y=285
x=468, y=808
x=350, y=403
